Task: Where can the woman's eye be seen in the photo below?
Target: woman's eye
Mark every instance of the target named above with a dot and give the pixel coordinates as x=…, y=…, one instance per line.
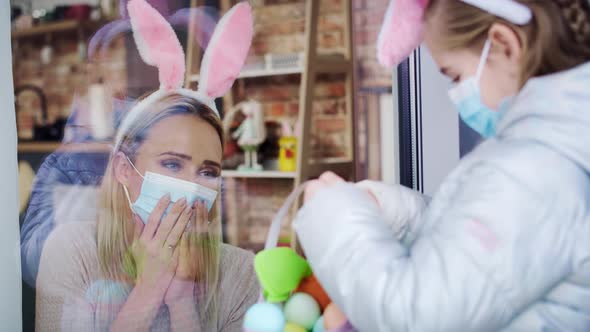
x=172, y=165
x=212, y=173
x=456, y=79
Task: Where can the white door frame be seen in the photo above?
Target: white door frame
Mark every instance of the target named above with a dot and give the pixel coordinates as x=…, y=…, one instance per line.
x=10, y=270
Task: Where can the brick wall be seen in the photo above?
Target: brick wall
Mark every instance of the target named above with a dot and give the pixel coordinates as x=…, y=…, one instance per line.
x=279, y=28
x=249, y=206
x=368, y=15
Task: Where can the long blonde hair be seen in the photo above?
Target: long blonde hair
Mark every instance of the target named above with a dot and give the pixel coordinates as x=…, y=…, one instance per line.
x=115, y=214
x=557, y=39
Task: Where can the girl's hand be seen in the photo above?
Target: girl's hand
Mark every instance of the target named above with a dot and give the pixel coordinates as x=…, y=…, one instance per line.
x=187, y=270
x=326, y=180
x=154, y=245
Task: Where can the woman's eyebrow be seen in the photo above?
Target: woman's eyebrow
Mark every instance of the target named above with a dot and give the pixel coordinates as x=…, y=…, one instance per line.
x=176, y=154
x=211, y=163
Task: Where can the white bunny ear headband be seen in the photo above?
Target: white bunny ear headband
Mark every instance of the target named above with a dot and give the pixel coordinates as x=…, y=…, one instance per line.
x=158, y=46
x=402, y=29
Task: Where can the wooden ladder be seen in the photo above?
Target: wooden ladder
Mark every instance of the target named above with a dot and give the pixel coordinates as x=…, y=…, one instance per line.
x=315, y=65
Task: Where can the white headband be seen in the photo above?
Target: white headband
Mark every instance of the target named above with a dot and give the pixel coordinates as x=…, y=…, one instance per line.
x=510, y=10
x=402, y=29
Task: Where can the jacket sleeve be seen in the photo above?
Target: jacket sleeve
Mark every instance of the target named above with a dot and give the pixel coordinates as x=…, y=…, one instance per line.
x=482, y=262
x=400, y=208
x=60, y=168
x=38, y=222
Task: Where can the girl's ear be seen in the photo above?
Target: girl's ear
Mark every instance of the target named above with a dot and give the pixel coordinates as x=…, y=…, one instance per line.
x=506, y=50
x=505, y=43
x=401, y=32
x=157, y=43
x=227, y=51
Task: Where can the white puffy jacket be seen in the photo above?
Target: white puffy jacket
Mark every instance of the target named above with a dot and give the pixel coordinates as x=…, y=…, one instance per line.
x=504, y=245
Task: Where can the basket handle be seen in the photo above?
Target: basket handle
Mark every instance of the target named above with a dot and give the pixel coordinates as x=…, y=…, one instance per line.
x=272, y=239
x=274, y=231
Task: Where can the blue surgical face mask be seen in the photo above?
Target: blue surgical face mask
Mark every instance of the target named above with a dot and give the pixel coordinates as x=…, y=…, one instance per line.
x=155, y=186
x=467, y=98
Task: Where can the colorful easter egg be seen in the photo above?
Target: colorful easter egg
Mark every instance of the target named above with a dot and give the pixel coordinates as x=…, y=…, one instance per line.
x=264, y=317
x=302, y=310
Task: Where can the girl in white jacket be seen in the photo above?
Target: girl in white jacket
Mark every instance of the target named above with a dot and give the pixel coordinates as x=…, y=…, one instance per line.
x=505, y=242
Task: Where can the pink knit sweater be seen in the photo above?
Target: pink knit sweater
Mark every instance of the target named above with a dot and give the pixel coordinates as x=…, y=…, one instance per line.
x=72, y=295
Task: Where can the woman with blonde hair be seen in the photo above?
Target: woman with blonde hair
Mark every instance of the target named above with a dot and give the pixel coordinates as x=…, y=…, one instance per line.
x=154, y=259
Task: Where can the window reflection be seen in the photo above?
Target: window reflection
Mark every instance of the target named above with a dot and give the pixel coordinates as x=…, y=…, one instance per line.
x=78, y=74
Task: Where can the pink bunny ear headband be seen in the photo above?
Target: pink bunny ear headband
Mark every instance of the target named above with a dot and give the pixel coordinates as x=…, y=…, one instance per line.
x=158, y=46
x=402, y=29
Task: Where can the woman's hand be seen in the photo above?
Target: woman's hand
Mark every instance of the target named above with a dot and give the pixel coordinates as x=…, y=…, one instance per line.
x=154, y=248
x=187, y=271
x=156, y=258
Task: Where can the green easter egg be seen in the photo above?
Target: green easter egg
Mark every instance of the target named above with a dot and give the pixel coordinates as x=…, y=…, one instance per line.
x=280, y=270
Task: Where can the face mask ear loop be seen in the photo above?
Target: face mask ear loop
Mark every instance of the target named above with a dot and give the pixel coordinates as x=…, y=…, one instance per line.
x=128, y=197
x=484, y=58
x=133, y=165
x=125, y=187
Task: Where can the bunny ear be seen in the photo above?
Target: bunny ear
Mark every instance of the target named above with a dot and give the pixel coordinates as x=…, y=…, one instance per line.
x=157, y=43
x=227, y=51
x=401, y=31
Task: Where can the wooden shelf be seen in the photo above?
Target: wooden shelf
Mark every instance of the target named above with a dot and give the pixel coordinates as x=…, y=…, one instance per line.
x=260, y=73
x=326, y=64
x=273, y=72
x=333, y=64
x=48, y=28
x=49, y=147
x=258, y=174
x=36, y=147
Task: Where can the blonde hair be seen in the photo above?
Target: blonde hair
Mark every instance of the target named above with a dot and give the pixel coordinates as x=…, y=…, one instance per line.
x=114, y=215
x=557, y=39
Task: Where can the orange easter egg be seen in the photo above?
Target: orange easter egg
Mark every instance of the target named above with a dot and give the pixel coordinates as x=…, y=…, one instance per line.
x=311, y=286
x=333, y=317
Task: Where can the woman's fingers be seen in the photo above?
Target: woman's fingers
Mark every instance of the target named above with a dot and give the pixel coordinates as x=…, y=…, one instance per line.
x=175, y=259
x=175, y=234
x=203, y=218
x=169, y=221
x=198, y=236
x=184, y=250
x=155, y=217
x=191, y=228
x=184, y=245
x=138, y=227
